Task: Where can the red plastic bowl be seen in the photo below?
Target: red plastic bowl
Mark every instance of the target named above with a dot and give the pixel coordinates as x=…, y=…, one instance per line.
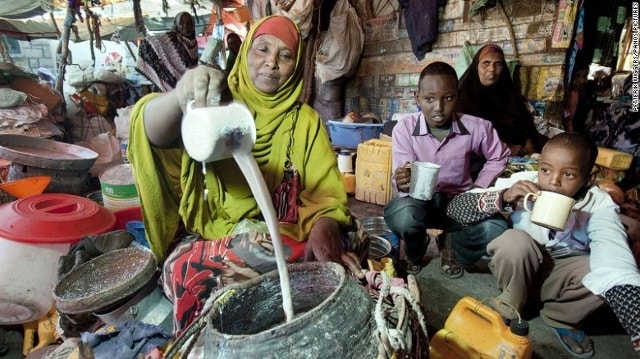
x=125, y=215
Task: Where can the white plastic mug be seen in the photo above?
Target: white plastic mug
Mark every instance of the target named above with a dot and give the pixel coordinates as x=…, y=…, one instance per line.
x=550, y=210
x=214, y=133
x=424, y=177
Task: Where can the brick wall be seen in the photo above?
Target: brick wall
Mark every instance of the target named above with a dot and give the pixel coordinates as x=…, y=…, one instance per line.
x=388, y=71
x=34, y=54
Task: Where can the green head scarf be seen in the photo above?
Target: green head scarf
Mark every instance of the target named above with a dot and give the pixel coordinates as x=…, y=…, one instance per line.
x=269, y=110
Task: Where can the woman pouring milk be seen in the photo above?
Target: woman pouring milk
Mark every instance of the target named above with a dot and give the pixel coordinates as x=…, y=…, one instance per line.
x=208, y=229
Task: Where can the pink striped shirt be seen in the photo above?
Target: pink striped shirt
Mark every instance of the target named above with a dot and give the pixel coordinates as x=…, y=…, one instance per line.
x=469, y=135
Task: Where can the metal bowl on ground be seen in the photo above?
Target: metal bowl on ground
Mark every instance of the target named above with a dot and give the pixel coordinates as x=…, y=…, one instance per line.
x=149, y=306
x=373, y=222
x=104, y=280
x=375, y=226
x=378, y=247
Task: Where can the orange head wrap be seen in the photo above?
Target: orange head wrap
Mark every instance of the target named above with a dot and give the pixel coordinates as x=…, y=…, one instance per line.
x=281, y=27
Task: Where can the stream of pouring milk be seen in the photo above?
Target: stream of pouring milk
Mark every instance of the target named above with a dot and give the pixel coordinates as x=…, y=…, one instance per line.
x=252, y=173
x=207, y=139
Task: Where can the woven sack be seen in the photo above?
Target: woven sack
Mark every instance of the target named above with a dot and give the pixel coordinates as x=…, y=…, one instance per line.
x=342, y=45
x=11, y=98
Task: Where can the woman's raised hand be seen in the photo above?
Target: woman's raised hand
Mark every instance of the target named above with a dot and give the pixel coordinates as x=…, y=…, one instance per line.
x=203, y=84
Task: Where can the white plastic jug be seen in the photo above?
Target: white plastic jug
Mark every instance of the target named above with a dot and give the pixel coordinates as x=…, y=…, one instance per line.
x=214, y=133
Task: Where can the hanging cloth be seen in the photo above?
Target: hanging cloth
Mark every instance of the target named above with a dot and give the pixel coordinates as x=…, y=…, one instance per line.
x=422, y=24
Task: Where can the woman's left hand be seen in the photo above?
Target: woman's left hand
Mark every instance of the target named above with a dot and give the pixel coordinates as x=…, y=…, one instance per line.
x=324, y=245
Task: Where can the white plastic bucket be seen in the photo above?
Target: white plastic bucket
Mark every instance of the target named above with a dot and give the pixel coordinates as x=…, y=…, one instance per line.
x=118, y=187
x=34, y=232
x=27, y=278
x=115, y=203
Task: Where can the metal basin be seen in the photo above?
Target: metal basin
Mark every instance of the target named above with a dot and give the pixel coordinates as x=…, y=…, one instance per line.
x=104, y=280
x=44, y=153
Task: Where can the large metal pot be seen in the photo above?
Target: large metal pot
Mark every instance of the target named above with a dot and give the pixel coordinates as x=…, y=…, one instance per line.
x=333, y=317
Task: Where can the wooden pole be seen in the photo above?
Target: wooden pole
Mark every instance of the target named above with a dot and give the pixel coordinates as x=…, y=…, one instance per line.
x=512, y=35
x=54, y=23
x=89, y=18
x=126, y=43
x=64, y=41
x=137, y=13
x=626, y=45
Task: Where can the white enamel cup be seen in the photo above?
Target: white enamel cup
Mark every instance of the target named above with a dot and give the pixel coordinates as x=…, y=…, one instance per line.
x=550, y=209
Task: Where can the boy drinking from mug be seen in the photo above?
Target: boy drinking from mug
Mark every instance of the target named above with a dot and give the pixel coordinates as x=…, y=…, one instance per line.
x=572, y=271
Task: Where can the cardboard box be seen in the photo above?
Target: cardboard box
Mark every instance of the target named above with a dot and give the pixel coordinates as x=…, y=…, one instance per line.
x=373, y=172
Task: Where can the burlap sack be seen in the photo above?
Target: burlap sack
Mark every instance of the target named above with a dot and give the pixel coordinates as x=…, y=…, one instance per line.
x=11, y=98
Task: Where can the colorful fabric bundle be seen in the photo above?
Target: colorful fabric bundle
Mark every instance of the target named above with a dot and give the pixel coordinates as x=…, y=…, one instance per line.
x=196, y=269
x=164, y=58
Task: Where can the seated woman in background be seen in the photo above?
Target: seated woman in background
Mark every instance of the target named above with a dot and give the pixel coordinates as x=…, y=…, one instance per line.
x=487, y=90
x=163, y=58
x=267, y=78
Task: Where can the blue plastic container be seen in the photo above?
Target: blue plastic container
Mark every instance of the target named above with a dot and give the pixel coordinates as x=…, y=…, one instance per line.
x=395, y=245
x=349, y=135
x=136, y=228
